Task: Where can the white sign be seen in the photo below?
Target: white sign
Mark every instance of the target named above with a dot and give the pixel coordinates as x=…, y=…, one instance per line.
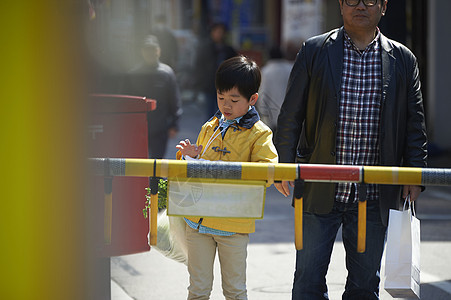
x=301, y=19
x=216, y=198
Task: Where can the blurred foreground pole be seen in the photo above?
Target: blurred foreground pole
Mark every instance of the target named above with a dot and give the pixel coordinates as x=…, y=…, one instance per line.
x=44, y=252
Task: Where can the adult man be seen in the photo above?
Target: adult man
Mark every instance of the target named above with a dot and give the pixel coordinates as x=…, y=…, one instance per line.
x=156, y=80
x=167, y=41
x=353, y=98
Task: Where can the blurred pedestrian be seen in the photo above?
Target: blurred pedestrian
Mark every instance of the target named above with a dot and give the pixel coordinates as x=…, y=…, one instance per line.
x=353, y=98
x=275, y=74
x=156, y=80
x=210, y=54
x=167, y=40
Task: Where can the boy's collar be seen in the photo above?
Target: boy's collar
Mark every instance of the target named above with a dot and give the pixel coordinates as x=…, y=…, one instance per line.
x=247, y=120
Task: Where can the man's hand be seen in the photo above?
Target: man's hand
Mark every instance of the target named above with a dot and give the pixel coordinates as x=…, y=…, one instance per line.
x=283, y=187
x=413, y=190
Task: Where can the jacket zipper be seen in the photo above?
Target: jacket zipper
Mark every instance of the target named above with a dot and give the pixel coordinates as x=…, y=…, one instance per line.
x=200, y=222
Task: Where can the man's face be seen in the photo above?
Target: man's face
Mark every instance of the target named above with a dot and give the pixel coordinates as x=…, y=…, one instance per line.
x=217, y=34
x=361, y=17
x=150, y=54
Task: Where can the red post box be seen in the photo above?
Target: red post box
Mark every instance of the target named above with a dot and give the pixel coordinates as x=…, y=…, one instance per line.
x=118, y=129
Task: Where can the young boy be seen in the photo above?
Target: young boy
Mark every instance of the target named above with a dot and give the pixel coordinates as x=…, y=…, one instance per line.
x=234, y=133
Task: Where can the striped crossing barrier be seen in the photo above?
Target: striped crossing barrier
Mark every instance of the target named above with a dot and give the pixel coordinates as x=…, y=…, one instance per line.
x=269, y=172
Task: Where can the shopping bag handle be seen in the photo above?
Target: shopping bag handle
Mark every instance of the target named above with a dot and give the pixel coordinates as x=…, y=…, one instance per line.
x=410, y=206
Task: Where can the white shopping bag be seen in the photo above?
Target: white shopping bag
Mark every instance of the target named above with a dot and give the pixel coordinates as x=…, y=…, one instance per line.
x=402, y=260
x=220, y=198
x=171, y=240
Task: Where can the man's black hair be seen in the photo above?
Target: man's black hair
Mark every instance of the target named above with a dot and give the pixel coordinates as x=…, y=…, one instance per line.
x=151, y=41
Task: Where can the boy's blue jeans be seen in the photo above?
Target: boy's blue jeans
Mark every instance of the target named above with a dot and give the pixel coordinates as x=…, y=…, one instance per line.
x=319, y=232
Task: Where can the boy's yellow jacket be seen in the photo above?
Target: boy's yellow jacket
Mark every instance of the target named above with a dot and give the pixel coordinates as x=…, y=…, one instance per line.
x=248, y=141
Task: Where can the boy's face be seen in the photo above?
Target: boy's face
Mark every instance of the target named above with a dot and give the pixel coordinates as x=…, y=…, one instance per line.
x=233, y=105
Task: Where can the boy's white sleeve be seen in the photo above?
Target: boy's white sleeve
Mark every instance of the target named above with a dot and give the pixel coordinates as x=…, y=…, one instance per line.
x=187, y=157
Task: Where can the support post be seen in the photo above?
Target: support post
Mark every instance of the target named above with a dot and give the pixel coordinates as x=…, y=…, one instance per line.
x=298, y=212
x=108, y=202
x=361, y=222
x=153, y=214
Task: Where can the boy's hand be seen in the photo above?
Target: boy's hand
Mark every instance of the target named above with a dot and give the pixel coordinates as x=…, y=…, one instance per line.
x=186, y=148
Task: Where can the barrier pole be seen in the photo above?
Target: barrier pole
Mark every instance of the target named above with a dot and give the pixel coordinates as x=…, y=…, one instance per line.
x=108, y=202
x=153, y=218
x=282, y=171
x=108, y=210
x=361, y=227
x=262, y=171
x=298, y=212
x=298, y=223
x=153, y=215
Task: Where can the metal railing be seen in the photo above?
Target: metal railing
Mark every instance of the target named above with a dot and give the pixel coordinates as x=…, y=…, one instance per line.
x=109, y=167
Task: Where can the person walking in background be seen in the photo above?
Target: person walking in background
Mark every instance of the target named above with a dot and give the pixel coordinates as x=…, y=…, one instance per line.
x=353, y=98
x=156, y=80
x=210, y=54
x=275, y=74
x=167, y=40
x=234, y=133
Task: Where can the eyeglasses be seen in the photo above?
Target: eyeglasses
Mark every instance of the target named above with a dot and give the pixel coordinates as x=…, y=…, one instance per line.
x=367, y=3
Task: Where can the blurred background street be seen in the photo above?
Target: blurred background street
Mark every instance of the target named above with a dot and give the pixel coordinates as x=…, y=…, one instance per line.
x=56, y=54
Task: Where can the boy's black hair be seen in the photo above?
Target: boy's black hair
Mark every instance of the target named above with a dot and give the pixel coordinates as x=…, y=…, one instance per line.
x=240, y=72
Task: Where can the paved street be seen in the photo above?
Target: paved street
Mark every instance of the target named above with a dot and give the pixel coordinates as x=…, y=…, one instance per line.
x=271, y=252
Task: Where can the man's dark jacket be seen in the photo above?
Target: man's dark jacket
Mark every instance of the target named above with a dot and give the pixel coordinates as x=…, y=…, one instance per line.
x=307, y=124
x=157, y=82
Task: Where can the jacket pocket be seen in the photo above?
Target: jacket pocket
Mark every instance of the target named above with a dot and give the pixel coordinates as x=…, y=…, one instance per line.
x=303, y=155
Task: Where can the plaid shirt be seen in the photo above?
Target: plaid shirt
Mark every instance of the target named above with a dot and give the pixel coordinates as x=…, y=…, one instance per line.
x=360, y=102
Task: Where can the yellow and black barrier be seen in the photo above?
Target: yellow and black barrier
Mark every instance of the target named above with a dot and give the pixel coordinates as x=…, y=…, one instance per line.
x=269, y=172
